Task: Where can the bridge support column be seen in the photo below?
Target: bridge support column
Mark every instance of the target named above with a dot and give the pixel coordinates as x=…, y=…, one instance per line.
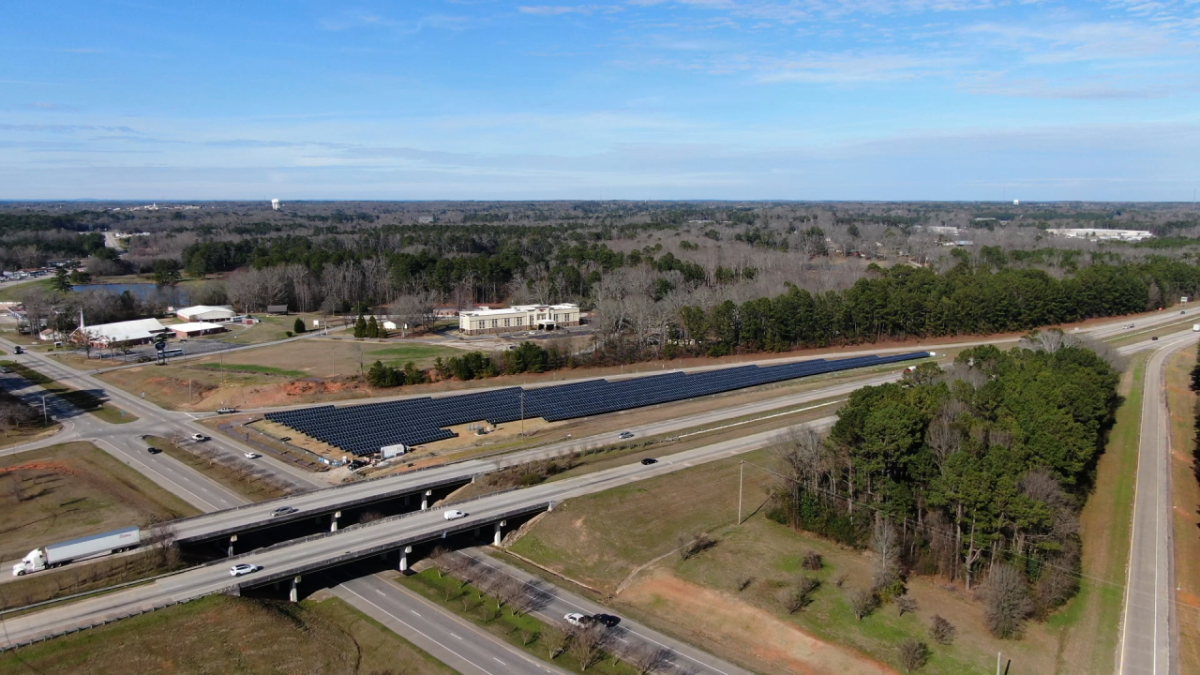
x=404, y=558
x=499, y=533
x=406, y=499
x=294, y=594
x=425, y=500
x=334, y=520
x=232, y=541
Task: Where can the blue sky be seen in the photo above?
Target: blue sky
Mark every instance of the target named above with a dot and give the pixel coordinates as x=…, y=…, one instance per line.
x=630, y=99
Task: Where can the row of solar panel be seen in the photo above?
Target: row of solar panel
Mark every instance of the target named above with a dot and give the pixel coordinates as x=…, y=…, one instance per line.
x=364, y=429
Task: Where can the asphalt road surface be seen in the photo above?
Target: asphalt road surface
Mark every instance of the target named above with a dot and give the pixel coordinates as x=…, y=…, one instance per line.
x=1149, y=631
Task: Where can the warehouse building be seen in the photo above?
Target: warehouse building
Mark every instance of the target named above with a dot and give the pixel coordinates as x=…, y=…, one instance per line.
x=137, y=332
x=206, y=313
x=518, y=318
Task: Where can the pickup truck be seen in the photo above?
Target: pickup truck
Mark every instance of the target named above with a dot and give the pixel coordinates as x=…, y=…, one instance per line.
x=226, y=411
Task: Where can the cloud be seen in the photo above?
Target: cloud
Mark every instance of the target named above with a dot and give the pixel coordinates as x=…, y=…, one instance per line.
x=848, y=68
x=44, y=106
x=559, y=10
x=65, y=128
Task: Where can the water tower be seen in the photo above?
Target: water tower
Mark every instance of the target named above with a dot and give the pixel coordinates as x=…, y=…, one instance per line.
x=275, y=204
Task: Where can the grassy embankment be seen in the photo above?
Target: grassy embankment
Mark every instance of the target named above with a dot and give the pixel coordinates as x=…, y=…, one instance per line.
x=238, y=475
x=24, y=434
x=1090, y=623
x=67, y=491
x=522, y=631
x=1186, y=495
x=220, y=634
x=601, y=540
x=84, y=400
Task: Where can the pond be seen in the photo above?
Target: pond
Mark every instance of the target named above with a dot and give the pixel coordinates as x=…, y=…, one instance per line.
x=170, y=295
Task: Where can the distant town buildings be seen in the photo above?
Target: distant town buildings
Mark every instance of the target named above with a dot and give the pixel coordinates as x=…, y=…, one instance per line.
x=1104, y=234
x=518, y=318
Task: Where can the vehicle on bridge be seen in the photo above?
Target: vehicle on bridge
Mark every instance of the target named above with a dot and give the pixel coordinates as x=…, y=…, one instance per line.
x=242, y=569
x=454, y=515
x=53, y=555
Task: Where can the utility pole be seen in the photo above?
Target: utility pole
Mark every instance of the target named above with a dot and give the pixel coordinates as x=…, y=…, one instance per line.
x=741, y=475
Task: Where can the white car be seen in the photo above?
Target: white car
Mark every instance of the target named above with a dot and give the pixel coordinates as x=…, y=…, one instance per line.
x=199, y=437
x=577, y=619
x=252, y=455
x=453, y=515
x=244, y=568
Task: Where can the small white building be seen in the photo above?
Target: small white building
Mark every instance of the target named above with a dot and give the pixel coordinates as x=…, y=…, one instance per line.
x=195, y=328
x=206, y=313
x=139, y=331
x=518, y=318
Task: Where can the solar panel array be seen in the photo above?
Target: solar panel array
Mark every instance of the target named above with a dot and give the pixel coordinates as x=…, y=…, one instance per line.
x=364, y=429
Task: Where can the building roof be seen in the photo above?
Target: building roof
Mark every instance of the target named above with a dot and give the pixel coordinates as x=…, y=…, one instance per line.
x=516, y=309
x=139, y=329
x=197, y=327
x=203, y=309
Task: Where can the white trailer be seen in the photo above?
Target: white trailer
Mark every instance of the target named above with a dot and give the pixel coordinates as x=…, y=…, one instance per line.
x=64, y=552
x=390, y=451
x=1196, y=328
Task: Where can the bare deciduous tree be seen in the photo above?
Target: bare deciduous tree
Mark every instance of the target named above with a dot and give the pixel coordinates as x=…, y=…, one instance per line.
x=862, y=602
x=941, y=630
x=1008, y=605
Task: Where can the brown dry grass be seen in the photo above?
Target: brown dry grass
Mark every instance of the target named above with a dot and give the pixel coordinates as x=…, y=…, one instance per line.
x=219, y=634
x=73, y=490
x=1186, y=494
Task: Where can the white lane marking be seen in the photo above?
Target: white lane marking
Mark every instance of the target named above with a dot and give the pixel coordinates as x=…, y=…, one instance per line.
x=414, y=612
x=497, y=660
x=416, y=630
x=455, y=636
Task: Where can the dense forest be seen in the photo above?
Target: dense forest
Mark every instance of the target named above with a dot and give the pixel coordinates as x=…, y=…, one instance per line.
x=963, y=473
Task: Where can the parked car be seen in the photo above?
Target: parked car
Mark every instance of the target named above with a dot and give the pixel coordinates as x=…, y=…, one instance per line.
x=285, y=511
x=199, y=437
x=252, y=455
x=243, y=568
x=5, y=370
x=453, y=515
x=153, y=450
x=577, y=619
x=649, y=460
x=606, y=620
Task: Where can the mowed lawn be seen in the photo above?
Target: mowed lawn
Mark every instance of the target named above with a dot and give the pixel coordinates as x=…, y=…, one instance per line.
x=73, y=490
x=221, y=634
x=1186, y=493
x=327, y=357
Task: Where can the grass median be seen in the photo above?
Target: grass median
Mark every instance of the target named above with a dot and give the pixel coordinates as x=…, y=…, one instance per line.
x=241, y=476
x=84, y=400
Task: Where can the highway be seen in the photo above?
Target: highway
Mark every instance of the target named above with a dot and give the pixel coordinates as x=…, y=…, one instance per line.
x=1149, y=630
x=628, y=635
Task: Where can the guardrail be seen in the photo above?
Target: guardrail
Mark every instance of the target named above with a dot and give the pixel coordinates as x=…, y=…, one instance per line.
x=105, y=622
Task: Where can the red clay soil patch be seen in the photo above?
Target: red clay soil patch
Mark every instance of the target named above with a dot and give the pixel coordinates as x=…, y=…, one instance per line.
x=57, y=467
x=751, y=635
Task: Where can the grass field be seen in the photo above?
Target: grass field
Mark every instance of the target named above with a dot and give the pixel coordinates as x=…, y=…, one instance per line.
x=469, y=602
x=72, y=490
x=12, y=292
x=252, y=368
x=1186, y=493
x=269, y=329
x=237, y=475
x=220, y=634
x=80, y=399
x=1090, y=623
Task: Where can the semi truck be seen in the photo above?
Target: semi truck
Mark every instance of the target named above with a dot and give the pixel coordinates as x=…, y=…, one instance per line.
x=64, y=552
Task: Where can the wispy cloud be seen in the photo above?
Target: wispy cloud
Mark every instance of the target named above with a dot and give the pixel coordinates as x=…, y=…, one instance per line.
x=65, y=128
x=44, y=106
x=559, y=10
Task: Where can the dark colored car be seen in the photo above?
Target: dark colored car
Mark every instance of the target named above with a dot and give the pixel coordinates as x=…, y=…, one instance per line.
x=1154, y=338
x=153, y=450
x=606, y=620
x=649, y=460
x=284, y=511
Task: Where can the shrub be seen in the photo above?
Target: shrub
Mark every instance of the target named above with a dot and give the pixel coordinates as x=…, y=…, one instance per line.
x=913, y=654
x=812, y=561
x=863, y=602
x=941, y=630
x=905, y=604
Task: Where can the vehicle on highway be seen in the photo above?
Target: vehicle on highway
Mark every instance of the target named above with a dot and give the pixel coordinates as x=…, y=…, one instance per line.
x=153, y=450
x=625, y=434
x=243, y=568
x=577, y=619
x=649, y=460
x=226, y=411
x=199, y=437
x=1154, y=338
x=252, y=455
x=454, y=515
x=606, y=620
x=18, y=350
x=284, y=511
x=53, y=555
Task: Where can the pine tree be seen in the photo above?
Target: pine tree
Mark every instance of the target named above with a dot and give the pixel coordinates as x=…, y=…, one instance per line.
x=373, y=328
x=360, y=327
x=298, y=327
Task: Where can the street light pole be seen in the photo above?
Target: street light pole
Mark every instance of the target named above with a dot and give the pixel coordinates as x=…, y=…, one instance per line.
x=45, y=415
